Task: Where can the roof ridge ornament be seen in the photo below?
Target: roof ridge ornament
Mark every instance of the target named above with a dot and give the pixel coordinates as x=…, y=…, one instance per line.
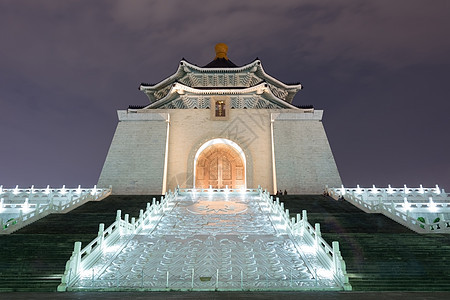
x=221, y=50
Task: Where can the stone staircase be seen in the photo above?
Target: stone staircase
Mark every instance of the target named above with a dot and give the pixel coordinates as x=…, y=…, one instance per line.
x=381, y=255
x=34, y=258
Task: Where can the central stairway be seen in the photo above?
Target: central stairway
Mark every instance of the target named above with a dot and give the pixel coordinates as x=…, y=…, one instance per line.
x=381, y=255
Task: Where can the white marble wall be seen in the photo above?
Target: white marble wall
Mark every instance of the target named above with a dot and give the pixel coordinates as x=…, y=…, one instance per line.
x=303, y=158
x=135, y=160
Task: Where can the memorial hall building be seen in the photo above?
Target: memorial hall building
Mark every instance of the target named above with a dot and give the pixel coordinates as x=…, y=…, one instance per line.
x=219, y=126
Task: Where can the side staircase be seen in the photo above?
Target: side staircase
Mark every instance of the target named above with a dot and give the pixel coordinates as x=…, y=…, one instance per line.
x=381, y=255
x=34, y=257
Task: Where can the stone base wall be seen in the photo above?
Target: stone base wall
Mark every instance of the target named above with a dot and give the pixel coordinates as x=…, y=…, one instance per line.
x=135, y=161
x=303, y=158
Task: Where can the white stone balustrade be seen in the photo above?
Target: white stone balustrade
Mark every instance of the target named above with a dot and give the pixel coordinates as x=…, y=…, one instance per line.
x=112, y=238
x=22, y=206
x=97, y=266
x=424, y=210
x=301, y=229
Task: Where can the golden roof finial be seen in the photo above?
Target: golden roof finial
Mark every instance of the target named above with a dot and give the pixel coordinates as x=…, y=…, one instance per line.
x=221, y=51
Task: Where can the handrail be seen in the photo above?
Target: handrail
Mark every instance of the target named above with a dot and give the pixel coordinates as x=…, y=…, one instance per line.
x=83, y=258
x=300, y=228
x=39, y=210
x=390, y=202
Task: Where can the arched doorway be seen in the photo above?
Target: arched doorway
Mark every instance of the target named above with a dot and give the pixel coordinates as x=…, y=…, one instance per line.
x=220, y=163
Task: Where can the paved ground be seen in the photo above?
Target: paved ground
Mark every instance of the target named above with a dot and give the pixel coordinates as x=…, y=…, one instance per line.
x=230, y=295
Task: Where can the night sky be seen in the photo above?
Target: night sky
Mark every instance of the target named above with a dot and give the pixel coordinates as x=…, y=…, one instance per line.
x=378, y=69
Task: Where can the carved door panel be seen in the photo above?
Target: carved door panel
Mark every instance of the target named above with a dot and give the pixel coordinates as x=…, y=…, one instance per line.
x=219, y=166
x=226, y=173
x=213, y=171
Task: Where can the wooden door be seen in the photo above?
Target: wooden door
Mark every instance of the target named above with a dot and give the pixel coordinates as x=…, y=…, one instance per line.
x=219, y=166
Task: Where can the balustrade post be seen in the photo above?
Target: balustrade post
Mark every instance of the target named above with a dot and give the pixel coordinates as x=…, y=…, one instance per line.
x=133, y=223
x=76, y=254
x=304, y=222
x=101, y=230
x=317, y=235
x=304, y=216
x=127, y=217
x=336, y=253
x=141, y=214
x=118, y=215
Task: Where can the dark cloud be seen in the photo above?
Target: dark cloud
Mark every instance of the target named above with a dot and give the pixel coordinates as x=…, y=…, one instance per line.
x=379, y=69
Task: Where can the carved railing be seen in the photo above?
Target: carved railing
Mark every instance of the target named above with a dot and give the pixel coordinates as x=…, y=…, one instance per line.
x=31, y=204
x=301, y=229
x=303, y=232
x=83, y=259
x=402, y=205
